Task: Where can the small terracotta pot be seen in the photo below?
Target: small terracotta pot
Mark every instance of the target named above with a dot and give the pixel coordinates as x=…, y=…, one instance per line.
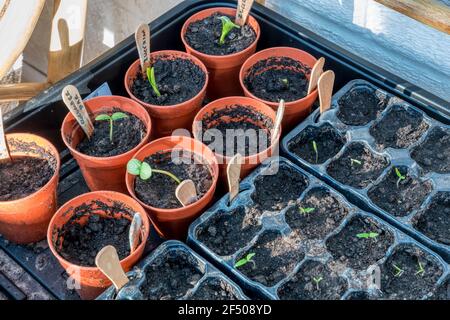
x=169, y=118
x=104, y=173
x=223, y=70
x=26, y=220
x=249, y=162
x=297, y=110
x=90, y=280
x=174, y=223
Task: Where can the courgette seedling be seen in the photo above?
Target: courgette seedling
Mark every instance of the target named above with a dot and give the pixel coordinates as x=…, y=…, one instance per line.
x=247, y=259
x=399, y=175
x=152, y=79
x=398, y=271
x=367, y=235
x=305, y=211
x=114, y=117
x=420, y=269
x=317, y=281
x=145, y=171
x=355, y=161
x=227, y=26
x=316, y=151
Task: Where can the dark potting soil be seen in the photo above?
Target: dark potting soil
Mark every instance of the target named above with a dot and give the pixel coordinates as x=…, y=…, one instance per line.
x=23, y=177
x=178, y=80
x=275, y=257
x=400, y=198
x=434, y=221
x=313, y=281
x=81, y=241
x=328, y=141
x=359, y=295
x=204, y=35
x=170, y=276
x=442, y=292
x=360, y=106
x=351, y=173
x=159, y=190
x=399, y=128
x=278, y=187
x=248, y=133
x=214, y=289
x=434, y=153
x=226, y=233
x=410, y=284
x=360, y=253
x=127, y=134
x=328, y=212
x=278, y=78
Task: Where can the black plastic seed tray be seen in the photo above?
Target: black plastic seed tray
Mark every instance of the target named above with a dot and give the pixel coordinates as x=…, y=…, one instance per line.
x=201, y=280
x=415, y=129
x=290, y=245
x=44, y=113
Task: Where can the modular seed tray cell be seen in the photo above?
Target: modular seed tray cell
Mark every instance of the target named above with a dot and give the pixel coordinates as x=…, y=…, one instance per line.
x=392, y=160
x=303, y=240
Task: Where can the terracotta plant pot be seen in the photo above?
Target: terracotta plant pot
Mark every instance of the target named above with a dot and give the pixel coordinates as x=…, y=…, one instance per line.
x=169, y=118
x=104, y=173
x=26, y=220
x=297, y=110
x=223, y=70
x=91, y=281
x=174, y=223
x=249, y=162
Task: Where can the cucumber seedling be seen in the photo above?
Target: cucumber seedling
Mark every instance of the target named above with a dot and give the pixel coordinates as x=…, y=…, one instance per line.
x=306, y=211
x=145, y=171
x=398, y=271
x=316, y=150
x=114, y=117
x=400, y=176
x=152, y=79
x=247, y=259
x=367, y=235
x=317, y=281
x=227, y=26
x=420, y=269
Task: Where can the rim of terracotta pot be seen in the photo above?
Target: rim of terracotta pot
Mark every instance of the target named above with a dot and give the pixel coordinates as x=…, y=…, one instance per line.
x=130, y=152
x=246, y=66
x=181, y=54
x=213, y=167
x=55, y=174
x=92, y=195
x=231, y=11
x=227, y=101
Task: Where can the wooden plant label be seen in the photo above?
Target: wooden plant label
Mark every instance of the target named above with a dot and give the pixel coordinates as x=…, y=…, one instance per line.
x=186, y=192
x=316, y=72
x=135, y=232
x=243, y=10
x=278, y=120
x=73, y=101
x=233, y=175
x=142, y=37
x=107, y=260
x=326, y=84
x=4, y=151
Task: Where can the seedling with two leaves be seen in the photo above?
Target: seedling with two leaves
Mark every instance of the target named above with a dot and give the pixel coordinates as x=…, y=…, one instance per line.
x=317, y=281
x=247, y=259
x=227, y=26
x=367, y=235
x=306, y=211
x=400, y=176
x=145, y=171
x=398, y=271
x=111, y=118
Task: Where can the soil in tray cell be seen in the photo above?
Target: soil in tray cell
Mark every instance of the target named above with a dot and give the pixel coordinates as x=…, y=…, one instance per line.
x=127, y=133
x=409, y=273
x=225, y=233
x=313, y=281
x=434, y=221
x=159, y=190
x=399, y=128
x=23, y=177
x=358, y=166
x=278, y=78
x=434, y=153
x=275, y=257
x=359, y=106
x=317, y=144
x=442, y=292
x=275, y=191
x=214, y=289
x=317, y=214
x=400, y=193
x=170, y=276
x=178, y=80
x=361, y=243
x=204, y=36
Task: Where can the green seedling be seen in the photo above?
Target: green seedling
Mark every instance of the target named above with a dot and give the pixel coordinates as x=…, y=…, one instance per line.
x=420, y=269
x=316, y=151
x=145, y=172
x=398, y=271
x=367, y=235
x=285, y=81
x=305, y=211
x=354, y=161
x=317, y=281
x=227, y=26
x=152, y=79
x=400, y=176
x=114, y=117
x=247, y=259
